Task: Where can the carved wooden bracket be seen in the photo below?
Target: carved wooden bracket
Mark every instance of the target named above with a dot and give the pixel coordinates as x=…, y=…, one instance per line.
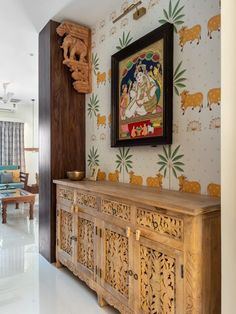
x=77, y=54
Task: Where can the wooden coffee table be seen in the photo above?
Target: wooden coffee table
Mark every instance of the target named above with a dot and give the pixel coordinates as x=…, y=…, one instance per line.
x=16, y=197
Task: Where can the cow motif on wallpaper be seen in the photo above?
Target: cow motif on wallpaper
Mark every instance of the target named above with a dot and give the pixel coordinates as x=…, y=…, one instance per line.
x=155, y=181
x=189, y=186
x=114, y=176
x=213, y=25
x=101, y=78
x=101, y=175
x=192, y=101
x=213, y=97
x=192, y=34
x=101, y=120
x=191, y=163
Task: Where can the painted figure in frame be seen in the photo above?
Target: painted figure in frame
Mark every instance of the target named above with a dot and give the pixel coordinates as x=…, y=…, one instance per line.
x=141, y=97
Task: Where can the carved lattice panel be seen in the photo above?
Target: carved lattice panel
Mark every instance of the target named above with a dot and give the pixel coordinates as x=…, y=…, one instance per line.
x=86, y=200
x=66, y=232
x=117, y=209
x=85, y=254
x=163, y=224
x=157, y=282
x=65, y=194
x=116, y=261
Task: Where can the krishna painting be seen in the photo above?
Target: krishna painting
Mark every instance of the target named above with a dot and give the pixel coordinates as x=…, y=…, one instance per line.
x=142, y=90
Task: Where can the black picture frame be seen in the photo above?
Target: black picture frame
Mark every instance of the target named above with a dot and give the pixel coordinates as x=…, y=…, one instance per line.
x=164, y=32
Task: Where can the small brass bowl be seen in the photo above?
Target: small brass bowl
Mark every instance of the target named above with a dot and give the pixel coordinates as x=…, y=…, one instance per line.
x=75, y=175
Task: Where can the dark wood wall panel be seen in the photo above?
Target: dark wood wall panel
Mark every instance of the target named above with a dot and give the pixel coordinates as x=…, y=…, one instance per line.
x=61, y=131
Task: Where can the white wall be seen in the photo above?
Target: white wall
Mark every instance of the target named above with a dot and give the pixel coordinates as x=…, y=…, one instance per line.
x=228, y=153
x=24, y=114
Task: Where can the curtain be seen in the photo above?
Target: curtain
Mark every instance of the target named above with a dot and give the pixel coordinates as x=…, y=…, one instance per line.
x=12, y=144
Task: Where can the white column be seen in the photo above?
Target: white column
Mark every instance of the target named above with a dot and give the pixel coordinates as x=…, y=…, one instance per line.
x=228, y=156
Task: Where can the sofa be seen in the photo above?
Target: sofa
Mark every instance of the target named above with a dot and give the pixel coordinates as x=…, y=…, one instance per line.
x=11, y=185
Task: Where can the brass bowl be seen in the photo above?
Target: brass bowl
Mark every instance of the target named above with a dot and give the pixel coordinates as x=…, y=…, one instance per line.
x=75, y=175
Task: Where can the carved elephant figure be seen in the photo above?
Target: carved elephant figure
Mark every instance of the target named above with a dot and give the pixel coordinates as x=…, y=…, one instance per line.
x=75, y=47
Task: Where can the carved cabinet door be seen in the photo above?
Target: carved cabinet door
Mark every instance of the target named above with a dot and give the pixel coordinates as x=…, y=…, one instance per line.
x=85, y=259
x=117, y=263
x=158, y=282
x=65, y=231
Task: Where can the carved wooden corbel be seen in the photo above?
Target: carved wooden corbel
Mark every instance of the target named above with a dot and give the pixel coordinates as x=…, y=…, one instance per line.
x=77, y=54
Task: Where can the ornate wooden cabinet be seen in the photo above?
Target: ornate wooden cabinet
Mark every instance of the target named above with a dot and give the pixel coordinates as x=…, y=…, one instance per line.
x=143, y=251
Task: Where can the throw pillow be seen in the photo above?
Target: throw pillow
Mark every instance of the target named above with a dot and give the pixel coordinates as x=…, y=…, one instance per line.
x=6, y=177
x=15, y=175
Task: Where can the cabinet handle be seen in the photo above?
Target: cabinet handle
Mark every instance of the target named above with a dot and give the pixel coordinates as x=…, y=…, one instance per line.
x=130, y=272
x=138, y=233
x=135, y=276
x=127, y=232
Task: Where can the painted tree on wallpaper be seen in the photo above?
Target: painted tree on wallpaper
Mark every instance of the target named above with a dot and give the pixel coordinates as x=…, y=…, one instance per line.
x=95, y=62
x=178, y=78
x=173, y=15
x=124, y=41
x=124, y=161
x=93, y=157
x=170, y=162
x=93, y=106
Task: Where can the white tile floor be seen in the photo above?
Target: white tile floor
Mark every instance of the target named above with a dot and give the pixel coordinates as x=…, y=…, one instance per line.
x=28, y=283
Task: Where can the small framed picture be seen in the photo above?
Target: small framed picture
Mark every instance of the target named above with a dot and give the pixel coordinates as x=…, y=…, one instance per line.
x=94, y=173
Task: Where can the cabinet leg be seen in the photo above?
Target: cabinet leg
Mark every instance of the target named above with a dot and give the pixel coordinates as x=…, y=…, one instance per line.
x=58, y=264
x=101, y=301
x=31, y=211
x=4, y=213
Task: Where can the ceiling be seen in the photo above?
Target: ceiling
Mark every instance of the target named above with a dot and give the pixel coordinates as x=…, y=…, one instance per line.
x=20, y=23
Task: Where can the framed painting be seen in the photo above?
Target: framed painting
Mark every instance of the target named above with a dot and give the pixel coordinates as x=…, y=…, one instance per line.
x=142, y=90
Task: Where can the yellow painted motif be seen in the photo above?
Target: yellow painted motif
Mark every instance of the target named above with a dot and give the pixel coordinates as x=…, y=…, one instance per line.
x=188, y=186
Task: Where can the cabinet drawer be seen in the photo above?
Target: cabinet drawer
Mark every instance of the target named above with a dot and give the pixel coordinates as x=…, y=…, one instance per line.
x=86, y=200
x=160, y=223
x=116, y=209
x=65, y=196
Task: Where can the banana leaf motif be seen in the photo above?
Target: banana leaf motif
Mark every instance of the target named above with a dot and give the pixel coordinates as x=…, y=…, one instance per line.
x=124, y=41
x=95, y=63
x=173, y=15
x=171, y=162
x=178, y=78
x=124, y=160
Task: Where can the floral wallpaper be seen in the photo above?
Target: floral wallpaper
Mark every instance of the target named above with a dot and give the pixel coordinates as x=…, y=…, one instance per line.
x=192, y=162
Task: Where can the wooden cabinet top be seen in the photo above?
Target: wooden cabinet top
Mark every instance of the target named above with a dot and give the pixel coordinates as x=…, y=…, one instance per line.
x=185, y=203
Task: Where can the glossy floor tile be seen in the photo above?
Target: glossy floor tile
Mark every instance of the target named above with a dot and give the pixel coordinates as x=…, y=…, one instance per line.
x=28, y=283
